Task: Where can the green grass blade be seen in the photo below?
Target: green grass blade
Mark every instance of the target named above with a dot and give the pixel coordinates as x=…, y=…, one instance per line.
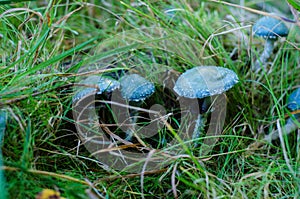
x=54, y=59
x=295, y=4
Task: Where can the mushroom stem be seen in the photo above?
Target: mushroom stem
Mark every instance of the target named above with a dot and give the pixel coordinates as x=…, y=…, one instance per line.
x=130, y=131
x=199, y=124
x=289, y=127
x=199, y=127
x=92, y=116
x=201, y=121
x=205, y=104
x=268, y=49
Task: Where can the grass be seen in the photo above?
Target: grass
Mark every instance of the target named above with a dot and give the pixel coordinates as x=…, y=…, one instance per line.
x=46, y=48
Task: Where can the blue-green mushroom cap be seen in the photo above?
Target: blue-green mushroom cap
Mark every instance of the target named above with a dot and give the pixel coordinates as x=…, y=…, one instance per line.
x=136, y=88
x=105, y=84
x=293, y=102
x=270, y=28
x=83, y=93
x=203, y=81
x=3, y=121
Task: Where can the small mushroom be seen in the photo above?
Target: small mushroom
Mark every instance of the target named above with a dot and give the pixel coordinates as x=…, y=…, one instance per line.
x=135, y=88
x=202, y=82
x=3, y=121
x=293, y=104
x=294, y=100
x=270, y=29
x=104, y=84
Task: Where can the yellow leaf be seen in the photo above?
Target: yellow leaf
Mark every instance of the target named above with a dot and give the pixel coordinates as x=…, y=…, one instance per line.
x=49, y=194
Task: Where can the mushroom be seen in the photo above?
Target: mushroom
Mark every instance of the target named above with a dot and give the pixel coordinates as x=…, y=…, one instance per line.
x=202, y=82
x=3, y=121
x=135, y=88
x=270, y=29
x=293, y=104
x=103, y=84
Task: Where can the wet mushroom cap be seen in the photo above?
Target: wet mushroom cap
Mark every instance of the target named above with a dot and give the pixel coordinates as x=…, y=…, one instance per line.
x=135, y=87
x=3, y=121
x=203, y=81
x=293, y=102
x=270, y=28
x=82, y=93
x=105, y=84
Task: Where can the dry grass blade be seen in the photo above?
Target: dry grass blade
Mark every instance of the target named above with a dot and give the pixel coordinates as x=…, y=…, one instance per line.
x=285, y=155
x=133, y=175
x=173, y=180
x=47, y=173
x=23, y=9
x=144, y=170
x=115, y=149
x=257, y=12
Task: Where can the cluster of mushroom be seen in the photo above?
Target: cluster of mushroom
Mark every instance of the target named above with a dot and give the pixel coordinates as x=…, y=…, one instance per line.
x=133, y=87
x=271, y=29
x=198, y=82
